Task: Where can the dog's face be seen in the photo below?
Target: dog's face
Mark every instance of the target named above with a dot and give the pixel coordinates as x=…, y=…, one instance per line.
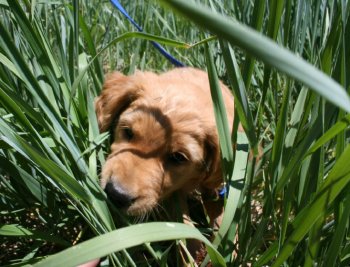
x=163, y=137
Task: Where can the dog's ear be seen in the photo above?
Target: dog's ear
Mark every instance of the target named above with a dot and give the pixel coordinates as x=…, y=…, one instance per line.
x=213, y=177
x=118, y=92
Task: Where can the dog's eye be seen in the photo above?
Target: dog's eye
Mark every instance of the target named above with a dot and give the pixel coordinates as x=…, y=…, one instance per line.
x=128, y=134
x=178, y=158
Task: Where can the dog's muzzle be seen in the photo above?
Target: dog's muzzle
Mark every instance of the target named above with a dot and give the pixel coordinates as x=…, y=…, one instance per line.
x=118, y=196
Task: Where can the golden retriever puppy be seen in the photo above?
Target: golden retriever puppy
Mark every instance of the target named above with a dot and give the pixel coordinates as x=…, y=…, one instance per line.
x=164, y=137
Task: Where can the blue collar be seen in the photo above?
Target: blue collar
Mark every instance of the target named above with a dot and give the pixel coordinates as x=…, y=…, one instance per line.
x=223, y=191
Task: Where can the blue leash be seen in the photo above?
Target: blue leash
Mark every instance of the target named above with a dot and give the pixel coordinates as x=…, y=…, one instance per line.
x=173, y=60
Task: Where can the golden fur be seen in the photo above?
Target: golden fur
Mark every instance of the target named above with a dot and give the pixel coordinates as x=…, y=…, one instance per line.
x=164, y=136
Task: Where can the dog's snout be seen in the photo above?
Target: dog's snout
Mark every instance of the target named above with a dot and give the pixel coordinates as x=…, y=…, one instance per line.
x=118, y=196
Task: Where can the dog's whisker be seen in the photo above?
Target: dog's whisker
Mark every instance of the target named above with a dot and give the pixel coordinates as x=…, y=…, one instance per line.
x=138, y=219
x=143, y=217
x=162, y=212
x=156, y=214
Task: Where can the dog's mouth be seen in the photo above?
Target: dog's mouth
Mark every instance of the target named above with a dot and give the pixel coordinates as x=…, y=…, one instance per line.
x=132, y=205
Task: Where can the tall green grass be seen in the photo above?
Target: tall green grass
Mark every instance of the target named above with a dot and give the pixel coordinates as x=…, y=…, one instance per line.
x=287, y=63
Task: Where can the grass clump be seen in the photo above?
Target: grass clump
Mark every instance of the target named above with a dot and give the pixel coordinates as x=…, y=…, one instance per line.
x=291, y=208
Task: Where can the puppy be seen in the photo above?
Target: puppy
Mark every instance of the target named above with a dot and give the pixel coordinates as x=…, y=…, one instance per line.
x=164, y=138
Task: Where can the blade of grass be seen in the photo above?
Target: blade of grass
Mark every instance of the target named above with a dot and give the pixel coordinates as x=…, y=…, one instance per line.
x=14, y=104
x=338, y=178
x=20, y=231
x=336, y=181
x=120, y=38
x=315, y=180
x=26, y=180
x=257, y=23
x=233, y=175
x=39, y=45
x=239, y=92
x=337, y=128
x=36, y=91
x=339, y=234
x=125, y=238
x=53, y=170
x=278, y=144
x=264, y=49
x=220, y=117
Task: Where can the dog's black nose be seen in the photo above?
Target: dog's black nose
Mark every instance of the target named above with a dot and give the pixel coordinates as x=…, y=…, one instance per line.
x=118, y=197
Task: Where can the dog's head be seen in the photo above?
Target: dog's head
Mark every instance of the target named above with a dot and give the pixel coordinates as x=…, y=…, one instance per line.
x=163, y=136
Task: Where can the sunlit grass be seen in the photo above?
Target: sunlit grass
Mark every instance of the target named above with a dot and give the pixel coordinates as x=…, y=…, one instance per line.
x=291, y=93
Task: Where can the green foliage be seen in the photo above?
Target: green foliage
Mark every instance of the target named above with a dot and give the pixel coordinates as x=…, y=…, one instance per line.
x=291, y=207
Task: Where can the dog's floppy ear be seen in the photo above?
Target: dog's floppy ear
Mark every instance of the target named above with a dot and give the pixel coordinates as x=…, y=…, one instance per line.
x=118, y=92
x=213, y=178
